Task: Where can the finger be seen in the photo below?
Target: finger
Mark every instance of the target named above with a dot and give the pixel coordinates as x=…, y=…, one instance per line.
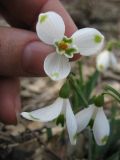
x=9, y=100
x=21, y=53
x=28, y=15
x=56, y=6
x=23, y=13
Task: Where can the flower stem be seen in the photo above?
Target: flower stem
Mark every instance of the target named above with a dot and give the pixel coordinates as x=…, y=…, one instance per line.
x=78, y=91
x=49, y=133
x=90, y=144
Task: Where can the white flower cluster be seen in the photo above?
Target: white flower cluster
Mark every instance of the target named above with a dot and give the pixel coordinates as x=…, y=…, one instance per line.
x=74, y=123
x=88, y=41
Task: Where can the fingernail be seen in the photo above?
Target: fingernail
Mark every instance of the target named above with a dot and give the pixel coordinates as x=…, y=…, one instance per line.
x=33, y=57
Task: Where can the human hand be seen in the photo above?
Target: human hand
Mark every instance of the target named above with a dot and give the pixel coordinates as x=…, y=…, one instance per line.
x=21, y=52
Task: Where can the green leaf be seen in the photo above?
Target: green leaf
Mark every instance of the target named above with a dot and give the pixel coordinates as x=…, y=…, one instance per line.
x=91, y=83
x=109, y=88
x=76, y=101
x=74, y=85
x=65, y=90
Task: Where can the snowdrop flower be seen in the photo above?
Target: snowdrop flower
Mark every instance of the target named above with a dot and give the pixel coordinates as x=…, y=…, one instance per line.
x=59, y=107
x=105, y=60
x=50, y=29
x=101, y=128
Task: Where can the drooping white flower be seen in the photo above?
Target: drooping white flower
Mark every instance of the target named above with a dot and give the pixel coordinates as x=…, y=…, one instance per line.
x=51, y=30
x=83, y=118
x=101, y=128
x=59, y=107
x=105, y=60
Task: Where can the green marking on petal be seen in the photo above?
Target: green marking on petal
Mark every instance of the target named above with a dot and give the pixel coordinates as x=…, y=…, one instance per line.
x=71, y=51
x=42, y=18
x=75, y=136
x=101, y=67
x=97, y=38
x=104, y=139
x=68, y=40
x=33, y=117
x=55, y=74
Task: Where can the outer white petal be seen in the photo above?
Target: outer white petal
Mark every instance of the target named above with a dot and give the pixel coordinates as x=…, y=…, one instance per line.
x=47, y=113
x=83, y=117
x=71, y=123
x=57, y=66
x=113, y=60
x=27, y=116
x=103, y=61
x=51, y=28
x=101, y=128
x=85, y=39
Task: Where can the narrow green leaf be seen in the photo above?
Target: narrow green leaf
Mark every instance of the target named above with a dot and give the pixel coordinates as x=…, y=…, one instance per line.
x=78, y=90
x=91, y=83
x=65, y=90
x=109, y=88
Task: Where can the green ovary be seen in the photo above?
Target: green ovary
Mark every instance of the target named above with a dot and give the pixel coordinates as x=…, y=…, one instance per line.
x=55, y=74
x=104, y=139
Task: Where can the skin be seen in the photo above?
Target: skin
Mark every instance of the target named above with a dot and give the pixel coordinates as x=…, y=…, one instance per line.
x=21, y=52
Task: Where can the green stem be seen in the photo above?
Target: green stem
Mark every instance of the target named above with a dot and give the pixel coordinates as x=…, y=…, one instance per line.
x=80, y=72
x=49, y=133
x=78, y=91
x=90, y=145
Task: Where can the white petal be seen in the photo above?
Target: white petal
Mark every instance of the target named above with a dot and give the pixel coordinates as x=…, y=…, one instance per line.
x=103, y=61
x=50, y=27
x=113, y=61
x=101, y=128
x=27, y=116
x=71, y=123
x=47, y=113
x=57, y=66
x=88, y=40
x=83, y=117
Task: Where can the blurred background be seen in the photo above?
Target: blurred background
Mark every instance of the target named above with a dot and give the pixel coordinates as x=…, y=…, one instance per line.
x=28, y=140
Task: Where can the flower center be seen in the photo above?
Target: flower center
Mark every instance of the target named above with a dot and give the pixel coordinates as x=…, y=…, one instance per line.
x=62, y=45
x=66, y=47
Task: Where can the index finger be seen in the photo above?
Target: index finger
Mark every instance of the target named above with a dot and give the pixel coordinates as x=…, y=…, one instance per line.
x=24, y=14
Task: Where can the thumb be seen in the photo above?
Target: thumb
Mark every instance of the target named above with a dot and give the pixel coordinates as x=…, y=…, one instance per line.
x=21, y=53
